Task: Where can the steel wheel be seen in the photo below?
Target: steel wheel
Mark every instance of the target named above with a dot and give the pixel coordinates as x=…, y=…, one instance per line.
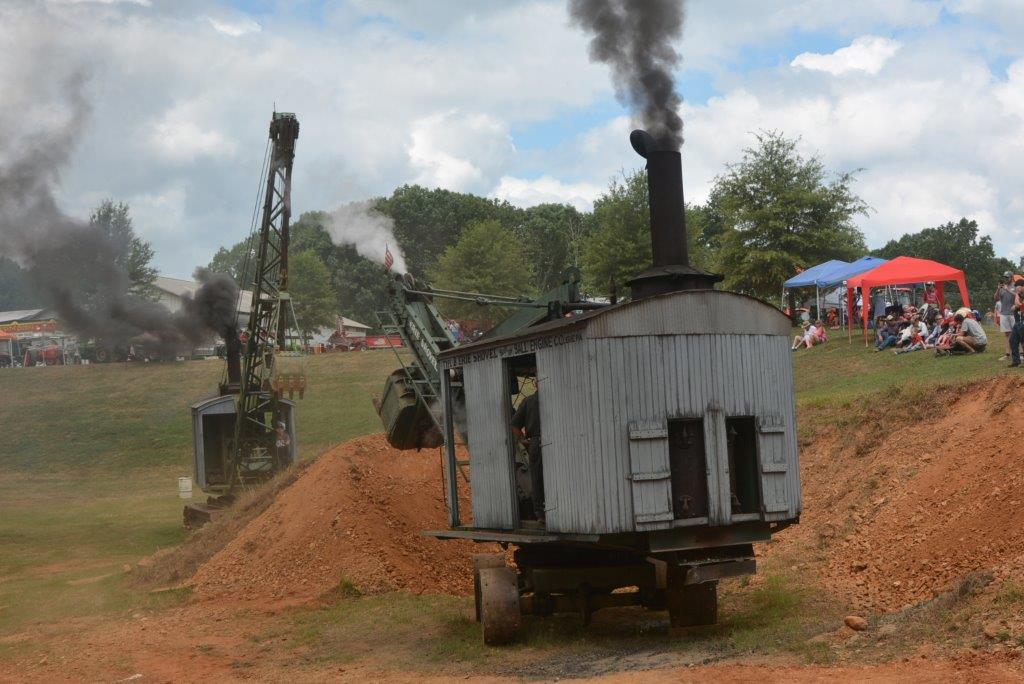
x=499, y=605
x=481, y=561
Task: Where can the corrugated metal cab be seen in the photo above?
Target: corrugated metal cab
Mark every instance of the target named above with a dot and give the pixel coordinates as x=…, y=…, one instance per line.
x=672, y=411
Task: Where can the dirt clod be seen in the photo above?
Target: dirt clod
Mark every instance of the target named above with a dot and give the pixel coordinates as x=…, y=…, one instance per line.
x=856, y=623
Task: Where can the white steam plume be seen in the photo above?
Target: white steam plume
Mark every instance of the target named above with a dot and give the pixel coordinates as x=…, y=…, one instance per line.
x=360, y=224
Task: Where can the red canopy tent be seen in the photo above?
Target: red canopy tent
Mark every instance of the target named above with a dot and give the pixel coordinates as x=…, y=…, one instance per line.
x=900, y=271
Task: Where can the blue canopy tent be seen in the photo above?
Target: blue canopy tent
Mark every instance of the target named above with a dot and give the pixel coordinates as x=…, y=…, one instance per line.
x=809, y=278
x=836, y=276
x=829, y=275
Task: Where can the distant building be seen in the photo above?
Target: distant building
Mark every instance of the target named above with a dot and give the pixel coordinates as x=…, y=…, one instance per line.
x=172, y=292
x=344, y=333
x=27, y=324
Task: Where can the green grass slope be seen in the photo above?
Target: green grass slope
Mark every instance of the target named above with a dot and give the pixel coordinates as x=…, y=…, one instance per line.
x=90, y=461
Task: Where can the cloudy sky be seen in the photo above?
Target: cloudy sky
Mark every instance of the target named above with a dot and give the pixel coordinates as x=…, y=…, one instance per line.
x=499, y=98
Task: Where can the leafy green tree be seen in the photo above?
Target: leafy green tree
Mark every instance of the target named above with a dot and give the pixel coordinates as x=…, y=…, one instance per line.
x=618, y=247
x=132, y=253
x=233, y=262
x=427, y=222
x=359, y=285
x=955, y=244
x=487, y=259
x=781, y=212
x=552, y=235
x=309, y=284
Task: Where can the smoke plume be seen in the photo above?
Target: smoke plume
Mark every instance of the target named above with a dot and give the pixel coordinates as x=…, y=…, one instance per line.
x=71, y=263
x=635, y=38
x=360, y=224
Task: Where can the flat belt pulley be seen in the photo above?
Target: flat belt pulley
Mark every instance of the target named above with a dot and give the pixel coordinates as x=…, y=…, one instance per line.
x=498, y=604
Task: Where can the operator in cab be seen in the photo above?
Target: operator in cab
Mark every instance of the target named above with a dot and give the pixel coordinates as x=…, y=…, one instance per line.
x=526, y=427
x=283, y=444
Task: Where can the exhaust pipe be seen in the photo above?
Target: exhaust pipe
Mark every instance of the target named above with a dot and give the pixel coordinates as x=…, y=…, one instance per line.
x=671, y=270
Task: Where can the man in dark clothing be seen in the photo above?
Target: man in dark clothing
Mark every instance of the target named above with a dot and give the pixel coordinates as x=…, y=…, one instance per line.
x=1017, y=334
x=526, y=426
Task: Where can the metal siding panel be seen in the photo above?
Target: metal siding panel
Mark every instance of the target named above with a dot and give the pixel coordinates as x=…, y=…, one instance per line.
x=490, y=466
x=690, y=313
x=595, y=373
x=616, y=465
x=595, y=503
x=552, y=385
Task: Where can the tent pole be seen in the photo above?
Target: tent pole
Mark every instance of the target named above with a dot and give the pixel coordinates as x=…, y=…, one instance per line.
x=865, y=296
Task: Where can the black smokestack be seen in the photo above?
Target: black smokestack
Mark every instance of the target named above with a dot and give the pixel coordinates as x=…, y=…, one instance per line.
x=665, y=198
x=671, y=270
x=635, y=38
x=69, y=262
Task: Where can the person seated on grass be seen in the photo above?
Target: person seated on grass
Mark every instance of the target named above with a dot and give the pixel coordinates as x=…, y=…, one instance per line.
x=889, y=334
x=971, y=338
x=938, y=327
x=805, y=338
x=944, y=345
x=915, y=327
x=880, y=330
x=820, y=333
x=914, y=343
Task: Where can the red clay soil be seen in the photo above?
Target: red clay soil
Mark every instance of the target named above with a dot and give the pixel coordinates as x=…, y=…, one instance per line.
x=909, y=517
x=354, y=516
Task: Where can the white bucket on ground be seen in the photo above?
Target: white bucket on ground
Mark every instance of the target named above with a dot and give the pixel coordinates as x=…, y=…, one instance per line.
x=184, y=487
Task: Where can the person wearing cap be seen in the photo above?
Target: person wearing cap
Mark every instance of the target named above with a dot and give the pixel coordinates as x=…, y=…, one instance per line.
x=805, y=338
x=889, y=334
x=971, y=338
x=1005, y=297
x=283, y=444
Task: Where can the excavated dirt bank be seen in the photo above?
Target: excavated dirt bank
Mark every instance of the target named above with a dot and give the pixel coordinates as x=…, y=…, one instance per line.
x=895, y=519
x=353, y=519
x=906, y=518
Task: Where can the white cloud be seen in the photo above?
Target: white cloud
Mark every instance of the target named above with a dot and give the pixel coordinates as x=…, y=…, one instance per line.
x=235, y=28
x=458, y=151
x=867, y=54
x=525, y=192
x=178, y=136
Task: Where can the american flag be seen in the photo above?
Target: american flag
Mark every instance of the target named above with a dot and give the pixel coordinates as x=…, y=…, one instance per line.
x=389, y=260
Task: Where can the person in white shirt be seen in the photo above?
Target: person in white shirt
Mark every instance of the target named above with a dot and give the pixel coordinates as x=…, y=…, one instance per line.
x=806, y=339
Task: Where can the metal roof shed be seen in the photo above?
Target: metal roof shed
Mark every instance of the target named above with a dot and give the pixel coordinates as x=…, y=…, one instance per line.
x=623, y=392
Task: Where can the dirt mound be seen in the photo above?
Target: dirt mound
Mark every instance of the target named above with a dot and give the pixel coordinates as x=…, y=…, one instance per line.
x=907, y=518
x=353, y=519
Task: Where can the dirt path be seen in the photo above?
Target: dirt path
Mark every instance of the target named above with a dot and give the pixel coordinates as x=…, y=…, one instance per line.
x=201, y=643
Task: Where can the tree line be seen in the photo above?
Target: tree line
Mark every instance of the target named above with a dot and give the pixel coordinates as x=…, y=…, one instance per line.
x=770, y=214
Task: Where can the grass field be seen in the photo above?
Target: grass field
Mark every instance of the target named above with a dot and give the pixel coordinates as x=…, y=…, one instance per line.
x=90, y=461
x=91, y=455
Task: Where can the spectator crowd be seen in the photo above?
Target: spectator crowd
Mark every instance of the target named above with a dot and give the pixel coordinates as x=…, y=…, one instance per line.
x=907, y=328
